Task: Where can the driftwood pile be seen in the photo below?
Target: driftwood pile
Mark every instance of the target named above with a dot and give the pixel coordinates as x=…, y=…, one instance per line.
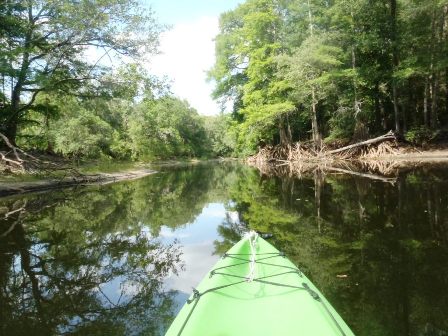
x=298, y=152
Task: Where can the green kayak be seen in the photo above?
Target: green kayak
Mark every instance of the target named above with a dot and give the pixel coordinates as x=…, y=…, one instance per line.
x=255, y=290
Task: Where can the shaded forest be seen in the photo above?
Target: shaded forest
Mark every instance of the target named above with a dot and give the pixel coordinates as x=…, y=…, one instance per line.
x=333, y=71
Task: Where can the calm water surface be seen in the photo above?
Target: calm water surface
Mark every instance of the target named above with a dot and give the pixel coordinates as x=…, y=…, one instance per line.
x=121, y=259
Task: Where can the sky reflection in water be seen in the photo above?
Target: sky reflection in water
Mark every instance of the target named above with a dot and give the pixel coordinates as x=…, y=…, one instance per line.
x=121, y=259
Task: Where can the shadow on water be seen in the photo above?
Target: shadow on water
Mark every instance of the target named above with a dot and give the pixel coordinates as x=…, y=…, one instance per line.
x=377, y=250
x=91, y=261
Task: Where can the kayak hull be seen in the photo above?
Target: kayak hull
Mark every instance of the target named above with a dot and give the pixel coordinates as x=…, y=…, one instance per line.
x=279, y=300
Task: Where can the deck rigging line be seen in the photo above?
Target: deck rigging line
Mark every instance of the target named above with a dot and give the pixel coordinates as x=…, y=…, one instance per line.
x=251, y=278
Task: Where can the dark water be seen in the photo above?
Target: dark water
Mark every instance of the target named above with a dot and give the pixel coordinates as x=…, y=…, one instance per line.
x=120, y=259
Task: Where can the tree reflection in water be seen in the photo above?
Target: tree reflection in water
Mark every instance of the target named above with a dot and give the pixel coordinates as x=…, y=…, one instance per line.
x=64, y=272
x=377, y=250
x=90, y=261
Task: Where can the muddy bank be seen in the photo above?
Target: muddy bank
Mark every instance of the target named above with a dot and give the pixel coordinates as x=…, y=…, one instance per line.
x=12, y=188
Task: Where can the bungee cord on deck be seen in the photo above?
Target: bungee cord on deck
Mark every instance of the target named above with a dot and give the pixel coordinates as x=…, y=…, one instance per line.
x=250, y=277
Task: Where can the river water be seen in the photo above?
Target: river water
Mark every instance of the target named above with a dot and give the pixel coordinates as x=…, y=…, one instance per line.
x=121, y=259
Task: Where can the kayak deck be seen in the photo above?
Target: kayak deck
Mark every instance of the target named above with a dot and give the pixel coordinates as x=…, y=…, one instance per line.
x=269, y=296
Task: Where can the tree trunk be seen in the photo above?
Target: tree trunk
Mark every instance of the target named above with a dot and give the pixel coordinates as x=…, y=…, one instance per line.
x=378, y=118
x=13, y=119
x=395, y=61
x=285, y=131
x=386, y=137
x=11, y=125
x=314, y=123
x=310, y=17
x=425, y=104
x=356, y=104
x=288, y=129
x=396, y=109
x=360, y=128
x=384, y=116
x=446, y=91
x=432, y=78
x=434, y=97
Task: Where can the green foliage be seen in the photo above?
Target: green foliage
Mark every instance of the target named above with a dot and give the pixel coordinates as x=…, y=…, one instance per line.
x=134, y=117
x=311, y=67
x=84, y=135
x=219, y=137
x=61, y=102
x=359, y=67
x=44, y=46
x=420, y=135
x=339, y=70
x=166, y=128
x=245, y=72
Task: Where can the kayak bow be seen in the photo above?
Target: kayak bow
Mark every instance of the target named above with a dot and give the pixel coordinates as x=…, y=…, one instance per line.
x=255, y=290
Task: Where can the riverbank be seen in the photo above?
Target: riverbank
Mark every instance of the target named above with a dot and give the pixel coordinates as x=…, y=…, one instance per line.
x=382, y=148
x=381, y=167
x=95, y=172
x=42, y=184
x=383, y=162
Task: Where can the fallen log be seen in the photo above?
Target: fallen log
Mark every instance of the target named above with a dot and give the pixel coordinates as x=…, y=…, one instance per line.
x=386, y=137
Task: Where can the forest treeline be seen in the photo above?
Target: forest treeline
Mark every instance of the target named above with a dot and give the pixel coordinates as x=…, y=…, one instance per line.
x=333, y=71
x=73, y=82
x=73, y=78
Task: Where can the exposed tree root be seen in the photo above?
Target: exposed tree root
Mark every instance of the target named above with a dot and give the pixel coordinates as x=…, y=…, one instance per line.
x=298, y=152
x=16, y=160
x=378, y=159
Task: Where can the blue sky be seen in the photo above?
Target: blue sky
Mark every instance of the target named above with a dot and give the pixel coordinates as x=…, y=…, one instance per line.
x=187, y=49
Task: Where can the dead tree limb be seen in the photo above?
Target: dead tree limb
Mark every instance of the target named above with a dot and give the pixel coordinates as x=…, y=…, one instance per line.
x=16, y=150
x=4, y=158
x=366, y=175
x=386, y=137
x=19, y=160
x=13, y=149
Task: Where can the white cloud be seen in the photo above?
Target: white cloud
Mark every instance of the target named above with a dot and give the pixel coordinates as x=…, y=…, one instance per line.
x=199, y=259
x=188, y=51
x=217, y=212
x=234, y=216
x=169, y=233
